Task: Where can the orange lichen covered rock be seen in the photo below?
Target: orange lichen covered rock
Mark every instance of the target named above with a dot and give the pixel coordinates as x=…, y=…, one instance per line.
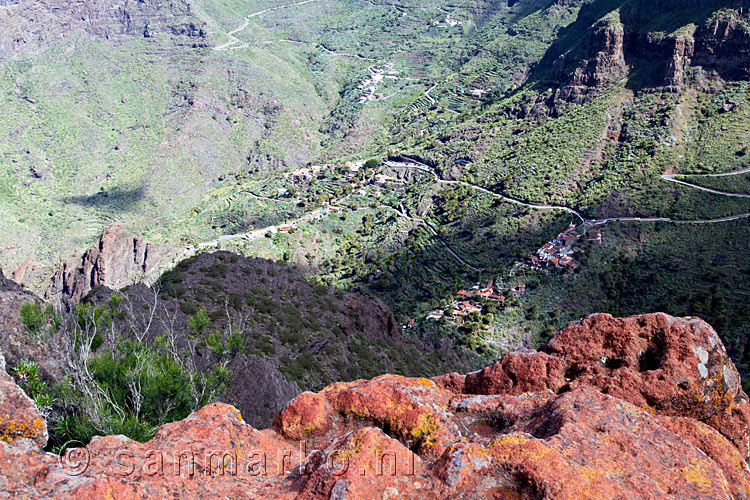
x=451, y=382
x=677, y=366
x=734, y=423
x=556, y=425
x=308, y=415
x=19, y=416
x=718, y=449
x=364, y=464
x=415, y=410
x=518, y=372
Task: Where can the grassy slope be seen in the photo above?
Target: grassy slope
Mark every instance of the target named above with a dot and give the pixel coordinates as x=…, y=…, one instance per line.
x=604, y=158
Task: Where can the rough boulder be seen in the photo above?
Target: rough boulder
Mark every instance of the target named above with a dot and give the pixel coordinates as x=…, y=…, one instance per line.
x=647, y=407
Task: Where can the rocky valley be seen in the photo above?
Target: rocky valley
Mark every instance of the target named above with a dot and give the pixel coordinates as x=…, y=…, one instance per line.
x=364, y=249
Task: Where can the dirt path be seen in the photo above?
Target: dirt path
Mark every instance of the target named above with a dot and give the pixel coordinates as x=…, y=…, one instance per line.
x=246, y=23
x=434, y=232
x=428, y=96
x=420, y=166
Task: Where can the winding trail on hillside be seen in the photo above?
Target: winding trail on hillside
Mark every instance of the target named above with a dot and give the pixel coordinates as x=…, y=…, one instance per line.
x=671, y=178
x=402, y=212
x=415, y=165
x=428, y=96
x=424, y=168
x=246, y=23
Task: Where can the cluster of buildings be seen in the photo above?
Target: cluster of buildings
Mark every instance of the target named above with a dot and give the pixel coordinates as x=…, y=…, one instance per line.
x=383, y=179
x=448, y=21
x=558, y=252
x=469, y=301
x=369, y=86
x=306, y=173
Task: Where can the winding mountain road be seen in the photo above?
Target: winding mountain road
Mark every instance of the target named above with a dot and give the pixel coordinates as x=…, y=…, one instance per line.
x=671, y=178
x=246, y=23
x=413, y=164
x=421, y=166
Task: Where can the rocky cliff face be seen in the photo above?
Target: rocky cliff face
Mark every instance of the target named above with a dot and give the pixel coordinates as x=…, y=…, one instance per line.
x=15, y=342
x=117, y=260
x=642, y=408
x=33, y=25
x=663, y=45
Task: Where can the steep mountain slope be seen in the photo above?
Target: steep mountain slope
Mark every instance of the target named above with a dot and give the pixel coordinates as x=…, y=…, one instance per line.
x=259, y=324
x=31, y=26
x=135, y=111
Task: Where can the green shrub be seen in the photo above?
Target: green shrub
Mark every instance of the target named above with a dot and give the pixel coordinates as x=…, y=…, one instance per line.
x=235, y=341
x=33, y=317
x=215, y=342
x=199, y=322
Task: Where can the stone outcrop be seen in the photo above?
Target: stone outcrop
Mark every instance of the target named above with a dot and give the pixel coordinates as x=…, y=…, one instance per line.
x=19, y=417
x=15, y=342
x=590, y=417
x=118, y=259
x=33, y=25
x=723, y=44
x=640, y=42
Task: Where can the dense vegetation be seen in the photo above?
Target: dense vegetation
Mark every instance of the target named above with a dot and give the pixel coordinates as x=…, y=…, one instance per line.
x=185, y=143
x=211, y=328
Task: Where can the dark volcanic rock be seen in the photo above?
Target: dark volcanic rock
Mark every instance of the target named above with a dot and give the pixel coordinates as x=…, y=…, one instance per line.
x=15, y=342
x=258, y=389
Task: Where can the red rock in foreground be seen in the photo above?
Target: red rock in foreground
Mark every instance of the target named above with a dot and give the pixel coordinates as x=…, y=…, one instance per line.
x=647, y=407
x=19, y=417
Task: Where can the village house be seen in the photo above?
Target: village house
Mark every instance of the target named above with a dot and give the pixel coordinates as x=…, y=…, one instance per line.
x=383, y=179
x=450, y=21
x=595, y=235
x=470, y=301
x=557, y=252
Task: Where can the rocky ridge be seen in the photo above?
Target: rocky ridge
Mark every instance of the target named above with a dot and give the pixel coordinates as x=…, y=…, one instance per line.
x=687, y=43
x=117, y=260
x=641, y=407
x=31, y=25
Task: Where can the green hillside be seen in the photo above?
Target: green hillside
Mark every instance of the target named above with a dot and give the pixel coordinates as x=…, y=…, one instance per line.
x=521, y=116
